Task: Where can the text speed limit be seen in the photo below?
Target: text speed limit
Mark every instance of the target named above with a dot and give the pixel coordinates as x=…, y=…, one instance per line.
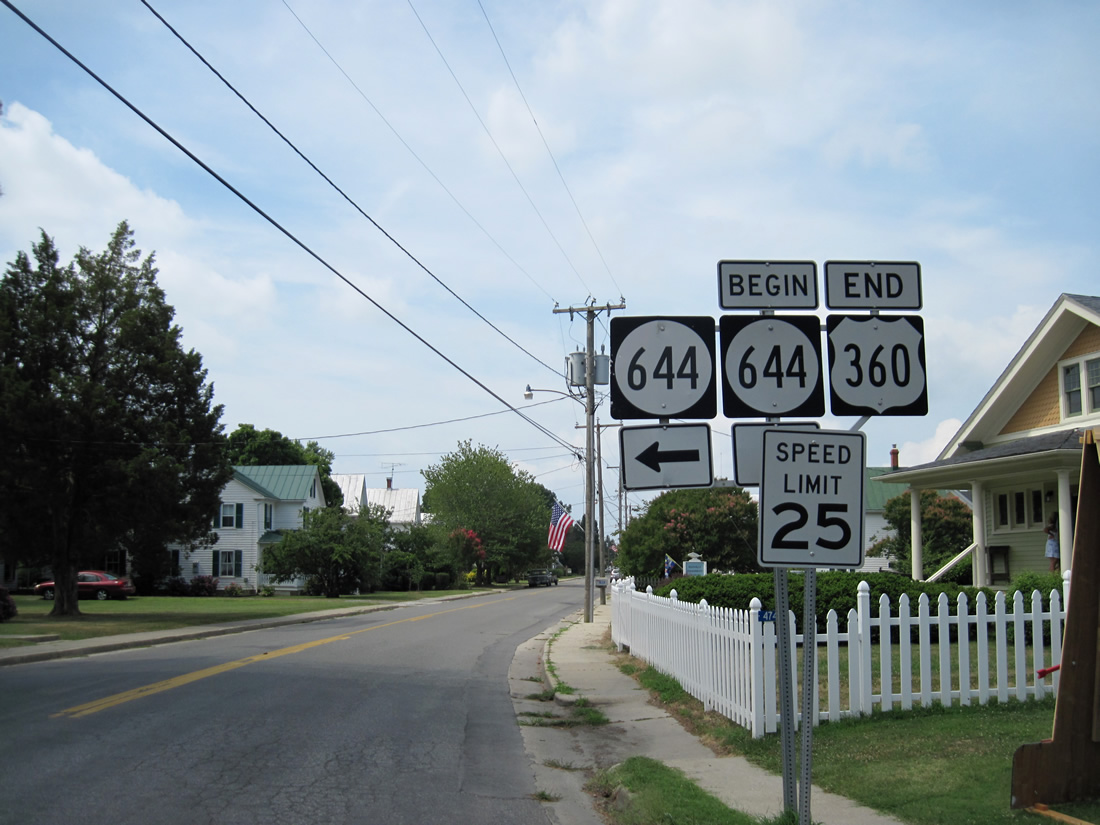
x=771, y=366
x=876, y=365
x=811, y=499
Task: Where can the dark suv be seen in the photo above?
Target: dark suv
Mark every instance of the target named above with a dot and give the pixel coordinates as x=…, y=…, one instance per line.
x=538, y=578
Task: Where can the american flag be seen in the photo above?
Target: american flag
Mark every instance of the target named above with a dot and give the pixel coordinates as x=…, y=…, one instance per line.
x=560, y=522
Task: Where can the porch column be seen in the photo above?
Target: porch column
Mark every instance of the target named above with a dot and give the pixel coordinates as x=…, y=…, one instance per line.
x=916, y=540
x=980, y=566
x=1065, y=522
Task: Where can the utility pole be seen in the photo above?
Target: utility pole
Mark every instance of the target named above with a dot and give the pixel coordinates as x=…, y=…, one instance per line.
x=600, y=506
x=590, y=312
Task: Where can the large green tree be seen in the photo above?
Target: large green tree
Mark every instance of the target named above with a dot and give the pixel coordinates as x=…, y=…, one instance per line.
x=477, y=488
x=340, y=551
x=718, y=523
x=109, y=434
x=249, y=447
x=947, y=528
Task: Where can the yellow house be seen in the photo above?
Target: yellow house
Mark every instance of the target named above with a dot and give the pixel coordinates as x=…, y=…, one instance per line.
x=1019, y=452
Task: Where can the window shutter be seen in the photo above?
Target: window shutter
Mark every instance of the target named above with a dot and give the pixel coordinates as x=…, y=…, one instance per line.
x=238, y=563
x=215, y=567
x=240, y=516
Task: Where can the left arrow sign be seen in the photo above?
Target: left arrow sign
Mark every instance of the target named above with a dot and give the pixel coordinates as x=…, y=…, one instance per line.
x=666, y=455
x=652, y=456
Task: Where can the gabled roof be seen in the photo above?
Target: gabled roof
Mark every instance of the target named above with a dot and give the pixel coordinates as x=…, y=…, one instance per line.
x=1060, y=327
x=354, y=488
x=288, y=482
x=403, y=504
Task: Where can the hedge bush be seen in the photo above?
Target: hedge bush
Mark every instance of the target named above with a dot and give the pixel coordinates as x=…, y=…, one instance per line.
x=8, y=610
x=177, y=586
x=836, y=590
x=204, y=586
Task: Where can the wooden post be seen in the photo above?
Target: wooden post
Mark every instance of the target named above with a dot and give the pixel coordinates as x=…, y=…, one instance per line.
x=1064, y=767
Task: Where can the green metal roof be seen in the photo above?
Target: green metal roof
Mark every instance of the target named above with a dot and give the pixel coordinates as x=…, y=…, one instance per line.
x=878, y=493
x=282, y=481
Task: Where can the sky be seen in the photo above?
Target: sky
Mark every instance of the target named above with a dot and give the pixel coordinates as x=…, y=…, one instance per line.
x=491, y=160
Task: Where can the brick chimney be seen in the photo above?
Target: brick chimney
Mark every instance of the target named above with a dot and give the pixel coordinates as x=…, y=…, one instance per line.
x=894, y=458
x=389, y=482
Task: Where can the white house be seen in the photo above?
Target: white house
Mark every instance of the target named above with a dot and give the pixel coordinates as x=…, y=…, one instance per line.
x=1019, y=452
x=354, y=489
x=403, y=505
x=255, y=504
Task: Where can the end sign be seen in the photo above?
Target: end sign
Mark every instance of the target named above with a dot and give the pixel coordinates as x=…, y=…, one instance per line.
x=811, y=499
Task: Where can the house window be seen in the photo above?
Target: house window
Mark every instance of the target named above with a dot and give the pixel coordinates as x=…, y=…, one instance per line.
x=1018, y=510
x=228, y=563
x=232, y=515
x=1081, y=387
x=269, y=516
x=225, y=563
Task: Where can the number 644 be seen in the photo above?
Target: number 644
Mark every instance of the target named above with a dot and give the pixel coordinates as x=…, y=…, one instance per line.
x=826, y=519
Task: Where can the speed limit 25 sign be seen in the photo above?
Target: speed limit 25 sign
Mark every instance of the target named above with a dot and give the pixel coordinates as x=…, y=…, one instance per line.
x=876, y=365
x=771, y=366
x=811, y=499
x=663, y=367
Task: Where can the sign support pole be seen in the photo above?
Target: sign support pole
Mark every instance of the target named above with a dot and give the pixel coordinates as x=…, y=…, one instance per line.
x=786, y=687
x=809, y=675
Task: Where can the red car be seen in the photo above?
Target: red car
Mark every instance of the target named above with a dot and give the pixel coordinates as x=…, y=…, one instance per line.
x=92, y=583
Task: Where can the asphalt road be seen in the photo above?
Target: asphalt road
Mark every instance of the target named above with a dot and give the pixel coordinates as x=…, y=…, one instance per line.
x=401, y=716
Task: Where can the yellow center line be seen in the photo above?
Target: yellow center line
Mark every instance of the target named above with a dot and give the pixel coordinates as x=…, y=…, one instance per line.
x=187, y=678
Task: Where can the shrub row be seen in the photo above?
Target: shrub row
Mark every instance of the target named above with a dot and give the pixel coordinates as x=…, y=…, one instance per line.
x=198, y=586
x=836, y=590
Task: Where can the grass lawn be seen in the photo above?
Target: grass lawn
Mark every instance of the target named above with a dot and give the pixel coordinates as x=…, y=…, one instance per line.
x=661, y=795
x=928, y=766
x=143, y=613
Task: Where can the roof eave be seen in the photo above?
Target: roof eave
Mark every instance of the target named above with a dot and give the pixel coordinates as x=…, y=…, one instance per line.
x=1003, y=468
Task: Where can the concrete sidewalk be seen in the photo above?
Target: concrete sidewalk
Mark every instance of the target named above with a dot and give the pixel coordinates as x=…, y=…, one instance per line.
x=580, y=659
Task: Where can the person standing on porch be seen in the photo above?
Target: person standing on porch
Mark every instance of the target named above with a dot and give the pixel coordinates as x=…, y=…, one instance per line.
x=1052, y=542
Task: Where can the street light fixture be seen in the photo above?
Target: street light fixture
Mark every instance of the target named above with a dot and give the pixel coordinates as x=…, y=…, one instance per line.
x=529, y=393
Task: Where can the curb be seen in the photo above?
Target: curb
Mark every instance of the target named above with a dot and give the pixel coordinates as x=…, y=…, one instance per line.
x=108, y=644
x=563, y=699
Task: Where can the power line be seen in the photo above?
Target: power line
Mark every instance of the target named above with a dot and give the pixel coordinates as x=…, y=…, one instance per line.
x=412, y=152
x=500, y=151
x=289, y=235
x=330, y=182
x=553, y=159
x=429, y=424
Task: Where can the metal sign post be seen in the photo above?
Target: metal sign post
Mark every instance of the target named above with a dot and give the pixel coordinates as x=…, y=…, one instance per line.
x=811, y=481
x=786, y=687
x=809, y=676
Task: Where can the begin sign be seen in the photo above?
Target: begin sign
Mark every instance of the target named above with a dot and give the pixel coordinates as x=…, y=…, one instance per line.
x=811, y=499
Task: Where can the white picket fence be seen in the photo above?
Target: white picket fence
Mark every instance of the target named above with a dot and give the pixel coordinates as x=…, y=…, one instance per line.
x=727, y=658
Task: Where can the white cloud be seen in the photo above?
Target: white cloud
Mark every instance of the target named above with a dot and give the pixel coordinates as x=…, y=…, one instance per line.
x=50, y=184
x=914, y=453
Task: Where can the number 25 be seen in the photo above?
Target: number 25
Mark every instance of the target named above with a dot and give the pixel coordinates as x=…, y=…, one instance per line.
x=825, y=519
